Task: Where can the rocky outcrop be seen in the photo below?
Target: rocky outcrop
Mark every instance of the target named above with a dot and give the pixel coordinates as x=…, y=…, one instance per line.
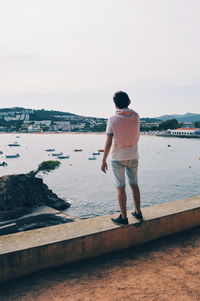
x=19, y=194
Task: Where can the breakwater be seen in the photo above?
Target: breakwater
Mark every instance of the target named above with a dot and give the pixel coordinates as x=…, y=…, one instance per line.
x=27, y=252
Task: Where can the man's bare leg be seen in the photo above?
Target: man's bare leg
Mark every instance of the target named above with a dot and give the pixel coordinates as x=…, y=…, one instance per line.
x=121, y=195
x=136, y=196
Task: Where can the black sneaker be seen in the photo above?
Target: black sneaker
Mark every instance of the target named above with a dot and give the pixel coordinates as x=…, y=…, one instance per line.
x=120, y=221
x=138, y=215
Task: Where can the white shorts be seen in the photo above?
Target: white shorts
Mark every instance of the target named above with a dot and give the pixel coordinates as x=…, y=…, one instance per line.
x=119, y=168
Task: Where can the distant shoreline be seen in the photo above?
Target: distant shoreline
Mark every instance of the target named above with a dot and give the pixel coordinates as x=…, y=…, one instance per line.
x=94, y=133
x=47, y=133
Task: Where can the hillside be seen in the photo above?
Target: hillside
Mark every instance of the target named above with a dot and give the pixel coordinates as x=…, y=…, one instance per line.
x=23, y=119
x=188, y=117
x=43, y=114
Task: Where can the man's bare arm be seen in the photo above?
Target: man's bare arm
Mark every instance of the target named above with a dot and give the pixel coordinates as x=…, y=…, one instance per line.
x=108, y=144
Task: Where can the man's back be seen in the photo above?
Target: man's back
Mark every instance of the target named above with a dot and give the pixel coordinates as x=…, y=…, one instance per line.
x=124, y=126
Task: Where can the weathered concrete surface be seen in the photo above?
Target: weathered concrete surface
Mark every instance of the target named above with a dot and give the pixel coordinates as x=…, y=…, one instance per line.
x=27, y=252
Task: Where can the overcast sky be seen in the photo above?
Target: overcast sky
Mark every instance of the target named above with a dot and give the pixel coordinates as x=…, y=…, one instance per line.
x=73, y=55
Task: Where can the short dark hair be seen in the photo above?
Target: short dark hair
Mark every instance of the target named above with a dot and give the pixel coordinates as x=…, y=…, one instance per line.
x=121, y=99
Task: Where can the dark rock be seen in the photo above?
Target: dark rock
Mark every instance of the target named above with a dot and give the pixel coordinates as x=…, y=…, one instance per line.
x=34, y=222
x=8, y=229
x=40, y=221
x=14, y=213
x=19, y=194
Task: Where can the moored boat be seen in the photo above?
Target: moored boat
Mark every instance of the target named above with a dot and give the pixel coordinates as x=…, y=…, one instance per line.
x=14, y=144
x=3, y=164
x=12, y=156
x=96, y=154
x=63, y=157
x=57, y=154
x=78, y=150
x=92, y=158
x=100, y=150
x=50, y=149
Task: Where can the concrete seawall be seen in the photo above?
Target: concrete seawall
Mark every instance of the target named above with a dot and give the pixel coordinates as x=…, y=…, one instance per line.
x=26, y=252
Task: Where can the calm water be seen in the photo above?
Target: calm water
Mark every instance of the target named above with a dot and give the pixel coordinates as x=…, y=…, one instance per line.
x=165, y=173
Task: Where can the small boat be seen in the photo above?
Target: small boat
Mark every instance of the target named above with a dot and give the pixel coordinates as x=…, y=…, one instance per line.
x=169, y=145
x=92, y=158
x=1, y=152
x=17, y=137
x=3, y=164
x=63, y=157
x=96, y=154
x=78, y=150
x=100, y=150
x=12, y=156
x=14, y=144
x=50, y=149
x=57, y=154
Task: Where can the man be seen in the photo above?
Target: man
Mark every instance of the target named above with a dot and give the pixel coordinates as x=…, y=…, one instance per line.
x=123, y=130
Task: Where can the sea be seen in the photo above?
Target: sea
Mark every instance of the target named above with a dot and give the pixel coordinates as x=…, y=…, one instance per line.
x=169, y=169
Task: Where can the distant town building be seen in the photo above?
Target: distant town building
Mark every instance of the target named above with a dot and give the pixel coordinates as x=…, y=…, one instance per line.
x=60, y=126
x=184, y=131
x=2, y=128
x=34, y=128
x=79, y=126
x=149, y=125
x=42, y=122
x=188, y=124
x=9, y=118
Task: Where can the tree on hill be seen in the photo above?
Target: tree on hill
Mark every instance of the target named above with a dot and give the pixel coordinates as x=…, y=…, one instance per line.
x=48, y=115
x=197, y=124
x=169, y=124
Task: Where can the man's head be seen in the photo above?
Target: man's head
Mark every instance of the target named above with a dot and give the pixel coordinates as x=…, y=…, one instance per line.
x=121, y=100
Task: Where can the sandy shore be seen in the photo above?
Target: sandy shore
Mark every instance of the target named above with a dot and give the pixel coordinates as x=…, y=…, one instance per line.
x=164, y=270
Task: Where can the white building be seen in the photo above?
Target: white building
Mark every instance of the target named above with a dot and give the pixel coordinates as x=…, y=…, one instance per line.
x=188, y=124
x=9, y=118
x=33, y=128
x=79, y=126
x=60, y=126
x=149, y=125
x=184, y=132
x=42, y=122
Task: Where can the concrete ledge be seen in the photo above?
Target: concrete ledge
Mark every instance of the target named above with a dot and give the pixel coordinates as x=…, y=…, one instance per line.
x=26, y=252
